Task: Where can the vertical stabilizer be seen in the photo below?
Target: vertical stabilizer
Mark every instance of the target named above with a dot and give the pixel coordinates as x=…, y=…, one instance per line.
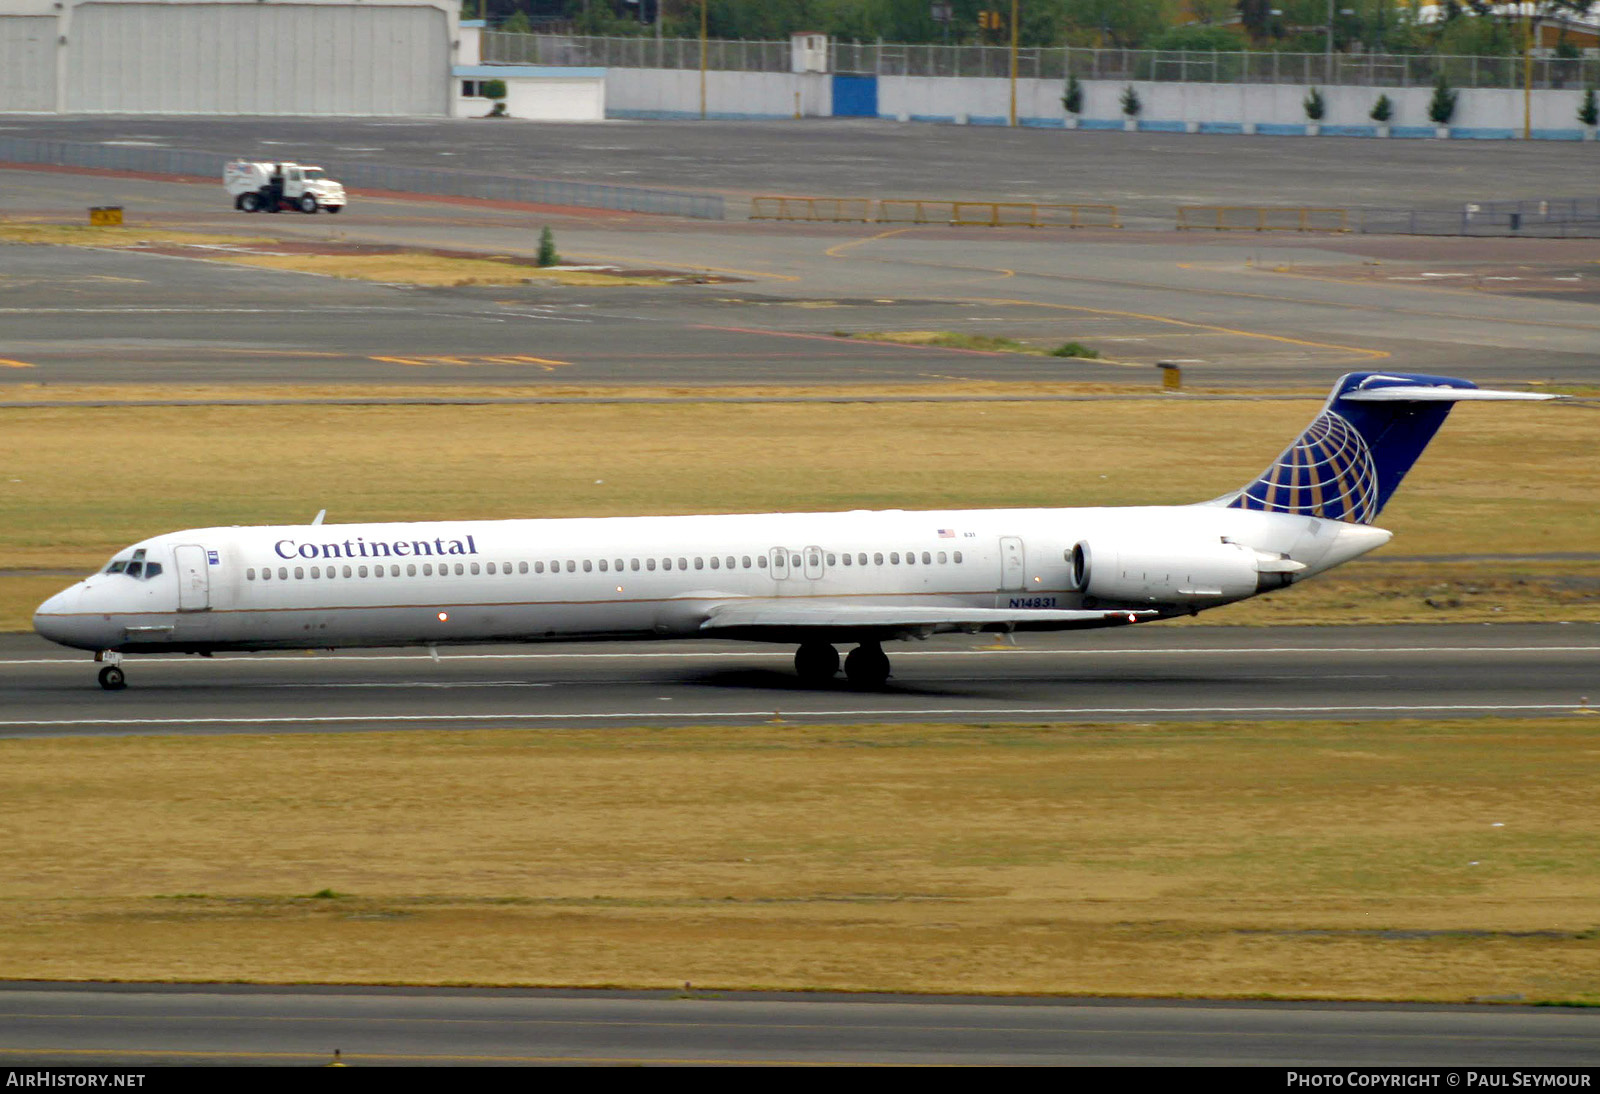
x=1351, y=458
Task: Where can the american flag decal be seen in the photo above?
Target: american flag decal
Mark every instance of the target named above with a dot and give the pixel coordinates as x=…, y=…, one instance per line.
x=947, y=533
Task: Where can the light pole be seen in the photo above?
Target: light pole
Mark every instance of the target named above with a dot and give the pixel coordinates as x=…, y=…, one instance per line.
x=1014, y=63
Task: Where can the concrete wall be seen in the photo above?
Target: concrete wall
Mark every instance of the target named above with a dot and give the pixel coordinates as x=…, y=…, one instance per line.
x=535, y=93
x=665, y=93
x=634, y=92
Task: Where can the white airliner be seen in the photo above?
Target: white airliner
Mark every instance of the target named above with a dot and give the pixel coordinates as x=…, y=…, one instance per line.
x=814, y=579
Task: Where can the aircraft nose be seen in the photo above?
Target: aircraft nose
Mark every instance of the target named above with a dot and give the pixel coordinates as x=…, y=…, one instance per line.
x=58, y=619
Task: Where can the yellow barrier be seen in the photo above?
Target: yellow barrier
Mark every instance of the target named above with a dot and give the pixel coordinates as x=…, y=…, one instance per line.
x=988, y=214
x=1262, y=218
x=773, y=207
x=105, y=216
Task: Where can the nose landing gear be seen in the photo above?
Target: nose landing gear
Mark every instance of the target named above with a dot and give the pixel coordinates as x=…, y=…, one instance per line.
x=111, y=677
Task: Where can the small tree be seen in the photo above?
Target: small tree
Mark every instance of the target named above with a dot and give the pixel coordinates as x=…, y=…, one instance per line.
x=496, y=90
x=1130, y=102
x=1442, y=107
x=547, y=248
x=517, y=24
x=1072, y=98
x=1382, y=110
x=1315, y=106
x=1589, y=109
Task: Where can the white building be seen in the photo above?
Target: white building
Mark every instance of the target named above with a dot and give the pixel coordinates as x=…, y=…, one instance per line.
x=221, y=57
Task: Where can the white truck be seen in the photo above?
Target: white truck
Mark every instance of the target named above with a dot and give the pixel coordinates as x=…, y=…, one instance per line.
x=272, y=187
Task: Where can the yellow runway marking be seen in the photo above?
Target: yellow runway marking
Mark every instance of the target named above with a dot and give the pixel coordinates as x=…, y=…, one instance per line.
x=833, y=252
x=6, y=362
x=546, y=363
x=1370, y=354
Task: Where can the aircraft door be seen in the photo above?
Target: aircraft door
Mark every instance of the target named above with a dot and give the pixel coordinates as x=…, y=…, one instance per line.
x=194, y=580
x=778, y=558
x=813, y=556
x=1011, y=563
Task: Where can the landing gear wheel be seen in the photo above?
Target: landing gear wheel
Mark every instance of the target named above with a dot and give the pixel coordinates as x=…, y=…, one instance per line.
x=111, y=678
x=816, y=662
x=250, y=203
x=308, y=204
x=334, y=209
x=867, y=666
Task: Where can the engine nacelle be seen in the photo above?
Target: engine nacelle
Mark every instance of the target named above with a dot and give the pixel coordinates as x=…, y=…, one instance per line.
x=1210, y=571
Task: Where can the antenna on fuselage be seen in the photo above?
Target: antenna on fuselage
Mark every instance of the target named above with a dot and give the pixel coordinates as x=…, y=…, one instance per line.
x=318, y=518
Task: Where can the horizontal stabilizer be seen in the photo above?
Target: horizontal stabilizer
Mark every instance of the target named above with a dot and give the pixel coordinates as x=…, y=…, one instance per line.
x=843, y=616
x=1439, y=395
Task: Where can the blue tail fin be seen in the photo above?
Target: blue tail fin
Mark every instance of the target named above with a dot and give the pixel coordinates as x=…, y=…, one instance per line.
x=1350, y=460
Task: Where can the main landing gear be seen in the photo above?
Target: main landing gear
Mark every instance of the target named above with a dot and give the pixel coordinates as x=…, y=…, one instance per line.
x=111, y=677
x=817, y=662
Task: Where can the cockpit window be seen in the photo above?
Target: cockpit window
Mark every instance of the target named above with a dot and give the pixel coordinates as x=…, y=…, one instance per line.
x=135, y=569
x=151, y=569
x=117, y=565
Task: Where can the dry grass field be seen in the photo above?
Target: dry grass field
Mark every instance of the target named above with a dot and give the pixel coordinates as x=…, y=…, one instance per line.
x=77, y=483
x=1444, y=861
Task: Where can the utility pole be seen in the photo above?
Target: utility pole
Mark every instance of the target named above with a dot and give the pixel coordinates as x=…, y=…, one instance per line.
x=1014, y=4
x=703, y=4
x=1527, y=76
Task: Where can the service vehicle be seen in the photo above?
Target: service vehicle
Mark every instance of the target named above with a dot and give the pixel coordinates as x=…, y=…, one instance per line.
x=273, y=187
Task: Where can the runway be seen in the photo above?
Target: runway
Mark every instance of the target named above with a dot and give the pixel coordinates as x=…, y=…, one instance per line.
x=1145, y=674
x=153, y=1025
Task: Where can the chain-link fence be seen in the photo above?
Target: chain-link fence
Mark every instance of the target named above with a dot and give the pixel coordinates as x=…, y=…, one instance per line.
x=1546, y=217
x=1176, y=66
x=373, y=176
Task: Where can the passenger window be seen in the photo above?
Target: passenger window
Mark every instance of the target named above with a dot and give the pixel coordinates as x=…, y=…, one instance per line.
x=894, y=558
x=927, y=559
x=666, y=564
x=862, y=558
x=761, y=562
x=361, y=571
x=847, y=560
x=522, y=567
x=943, y=558
x=634, y=565
x=619, y=565
x=649, y=564
x=490, y=568
x=331, y=574
x=316, y=571
x=911, y=558
x=877, y=558
x=474, y=569
x=731, y=561
x=299, y=573
x=588, y=566
x=151, y=569
x=715, y=562
x=794, y=561
x=250, y=574
x=266, y=574
x=460, y=569
x=347, y=571
x=699, y=563
x=604, y=566
x=813, y=559
x=377, y=571
x=538, y=567
x=283, y=573
x=683, y=564
x=411, y=569
x=958, y=556
x=830, y=560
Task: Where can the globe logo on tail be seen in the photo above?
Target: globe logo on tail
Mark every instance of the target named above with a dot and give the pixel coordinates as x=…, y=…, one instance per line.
x=1328, y=472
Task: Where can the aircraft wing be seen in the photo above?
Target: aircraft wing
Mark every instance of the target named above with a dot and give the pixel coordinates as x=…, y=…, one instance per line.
x=778, y=617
